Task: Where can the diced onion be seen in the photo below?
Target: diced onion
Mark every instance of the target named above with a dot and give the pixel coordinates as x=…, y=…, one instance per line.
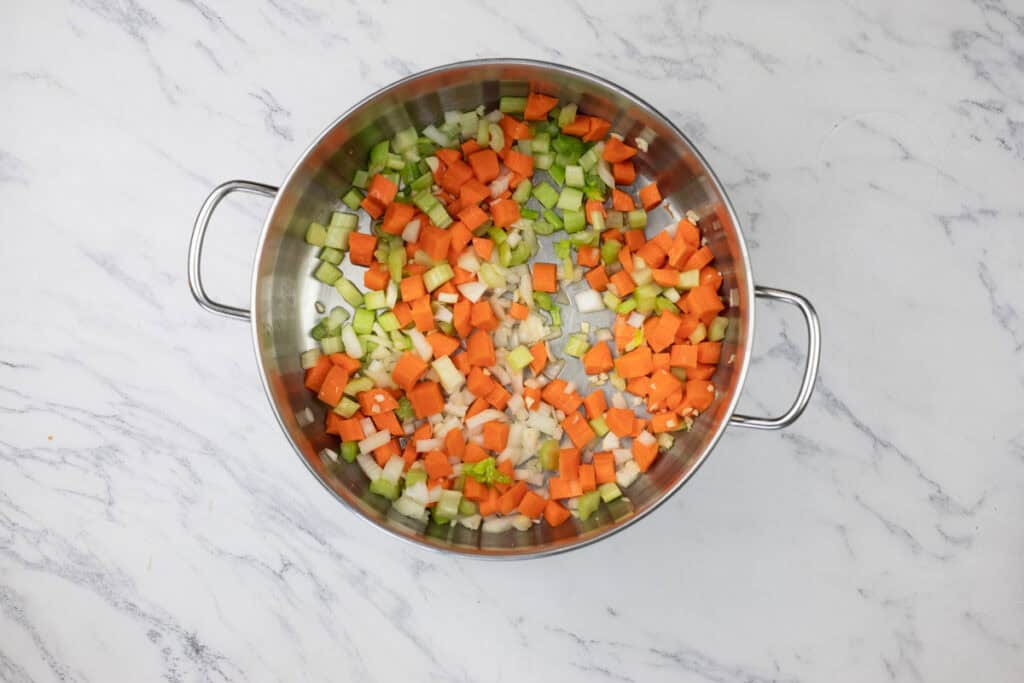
x=473, y=290
x=424, y=445
x=374, y=441
x=635, y=320
x=420, y=344
x=485, y=416
x=369, y=466
x=589, y=301
x=496, y=525
x=411, y=233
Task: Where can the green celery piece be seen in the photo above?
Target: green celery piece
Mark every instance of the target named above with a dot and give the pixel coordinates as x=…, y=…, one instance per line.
x=543, y=228
x=383, y=487
x=522, y=193
x=327, y=273
x=570, y=199
x=357, y=385
x=637, y=218
x=467, y=508
x=588, y=503
x=353, y=198
x=557, y=172
x=542, y=300
x=348, y=291
x=610, y=251
x=414, y=476
x=361, y=179
x=349, y=450
x=404, y=411
x=363, y=320
x=609, y=491
x=529, y=214
x=486, y=472
x=599, y=426
x=577, y=345
x=346, y=408
x=716, y=331
x=554, y=219
x=574, y=221
x=316, y=234
x=549, y=454
x=512, y=105
x=519, y=357
x=332, y=256
x=546, y=195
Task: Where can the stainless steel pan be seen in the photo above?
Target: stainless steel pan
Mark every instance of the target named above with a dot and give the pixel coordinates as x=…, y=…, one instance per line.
x=281, y=309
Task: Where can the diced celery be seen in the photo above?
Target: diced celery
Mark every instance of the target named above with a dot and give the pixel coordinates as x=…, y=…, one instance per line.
x=400, y=341
x=574, y=176
x=574, y=221
x=589, y=159
x=557, y=172
x=459, y=484
x=543, y=228
x=337, y=237
x=378, y=156
x=626, y=306
x=662, y=304
x=599, y=426
x=497, y=136
x=424, y=200
x=611, y=301
x=327, y=273
x=319, y=331
x=340, y=219
x=425, y=147
x=609, y=491
x=540, y=143
x=597, y=220
x=395, y=163
x=358, y=385
x=577, y=345
x=467, y=507
x=637, y=218
x=405, y=139
x=568, y=145
x=543, y=300
x=375, y=300
x=337, y=317
x=348, y=291
x=716, y=331
x=504, y=255
x=522, y=193
x=349, y=449
x=396, y=260
x=595, y=193
x=570, y=199
x=423, y=182
x=446, y=327
x=346, y=407
x=439, y=216
x=363, y=320
x=567, y=115
x=353, y=198
x=316, y=235
x=610, y=251
x=520, y=254
x=554, y=219
x=519, y=357
x=497, y=234
x=414, y=476
x=529, y=214
x=383, y=487
x=309, y=358
x=585, y=238
x=492, y=276
x=543, y=160
x=688, y=279
x=361, y=179
x=332, y=256
x=512, y=105
x=556, y=319
x=483, y=136
x=699, y=334
x=404, y=411
x=448, y=503
x=389, y=322
x=678, y=373
x=331, y=345
x=588, y=503
x=546, y=195
x=549, y=454
x=437, y=276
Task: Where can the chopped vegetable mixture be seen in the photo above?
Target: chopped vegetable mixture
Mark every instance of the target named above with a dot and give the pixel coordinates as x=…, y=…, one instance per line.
x=441, y=383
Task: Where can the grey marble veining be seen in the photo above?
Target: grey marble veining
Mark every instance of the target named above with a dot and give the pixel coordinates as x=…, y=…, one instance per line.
x=154, y=523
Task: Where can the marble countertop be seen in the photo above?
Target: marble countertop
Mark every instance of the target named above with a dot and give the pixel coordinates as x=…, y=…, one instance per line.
x=154, y=522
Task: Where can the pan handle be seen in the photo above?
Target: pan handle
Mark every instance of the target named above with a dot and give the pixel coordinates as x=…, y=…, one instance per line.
x=195, y=247
x=810, y=371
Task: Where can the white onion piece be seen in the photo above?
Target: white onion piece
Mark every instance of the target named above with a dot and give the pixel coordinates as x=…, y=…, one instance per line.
x=369, y=466
x=553, y=369
x=420, y=344
x=445, y=314
x=483, y=416
x=417, y=492
x=305, y=416
x=611, y=442
x=473, y=290
x=472, y=522
x=589, y=301
x=328, y=456
x=367, y=425
x=604, y=172
x=622, y=455
x=468, y=261
x=496, y=525
x=522, y=522
x=374, y=441
x=424, y=445
x=618, y=400
x=635, y=320
x=393, y=468
x=500, y=184
x=434, y=494
x=628, y=474
x=646, y=438
x=411, y=233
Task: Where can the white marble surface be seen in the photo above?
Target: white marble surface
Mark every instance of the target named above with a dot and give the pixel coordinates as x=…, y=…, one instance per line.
x=155, y=524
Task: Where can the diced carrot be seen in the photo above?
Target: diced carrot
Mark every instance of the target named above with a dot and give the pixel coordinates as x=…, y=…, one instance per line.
x=687, y=326
x=442, y=344
x=700, y=393
x=701, y=372
x=485, y=165
x=639, y=386
x=555, y=393
x=709, y=275
x=470, y=146
x=555, y=514
x=616, y=151
x=462, y=276
x=507, y=468
x=666, y=277
x=422, y=314
x=624, y=284
x=436, y=464
x=578, y=429
x=403, y=312
x=532, y=397
x=597, y=359
x=372, y=207
x=545, y=277
x=703, y=302
x=376, y=401
x=316, y=374
x=473, y=216
x=532, y=505
x=519, y=163
x=384, y=453
x=604, y=467
x=461, y=313
x=709, y=352
x=351, y=429
x=482, y=316
x=588, y=256
x=634, y=364
x=474, y=490
x=346, y=361
x=448, y=156
x=426, y=399
x=634, y=240
x=592, y=206
x=388, y=421
x=479, y=382
x=644, y=454
x=597, y=278
x=684, y=356
x=513, y=130
x=458, y=173
x=412, y=287
x=664, y=422
x=623, y=333
x=474, y=191
x=663, y=383
x=579, y=126
x=361, y=247
x=563, y=488
x=588, y=477
x=611, y=235
x=652, y=254
x=499, y=397
x=474, y=453
x=483, y=247
x=624, y=173
x=455, y=443
x=595, y=404
x=461, y=362
x=489, y=504
x=504, y=212
x=496, y=435
x=333, y=385
x=518, y=311
x=434, y=242
x=480, y=349
x=622, y=201
x=597, y=129
x=376, y=276
x=397, y=216
x=661, y=361
x=568, y=464
x=664, y=331
x=381, y=189
x=510, y=500
x=537, y=107
x=539, y=351
x=699, y=259
x=461, y=237
x=331, y=422
x=650, y=196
